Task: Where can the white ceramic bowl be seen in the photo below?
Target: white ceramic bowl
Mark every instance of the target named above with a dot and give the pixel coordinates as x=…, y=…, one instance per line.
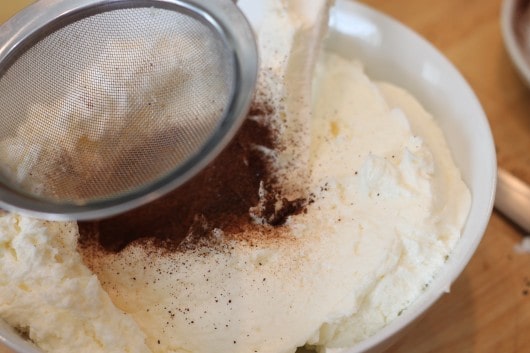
x=393, y=53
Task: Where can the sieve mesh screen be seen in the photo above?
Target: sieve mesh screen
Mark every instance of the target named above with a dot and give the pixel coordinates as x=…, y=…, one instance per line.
x=111, y=102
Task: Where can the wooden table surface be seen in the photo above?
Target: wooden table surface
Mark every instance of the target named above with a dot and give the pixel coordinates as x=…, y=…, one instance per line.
x=488, y=308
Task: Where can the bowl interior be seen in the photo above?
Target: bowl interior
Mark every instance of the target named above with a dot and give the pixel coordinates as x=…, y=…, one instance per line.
x=392, y=52
x=12, y=339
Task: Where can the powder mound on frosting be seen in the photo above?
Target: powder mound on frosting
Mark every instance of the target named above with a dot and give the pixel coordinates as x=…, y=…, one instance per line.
x=237, y=192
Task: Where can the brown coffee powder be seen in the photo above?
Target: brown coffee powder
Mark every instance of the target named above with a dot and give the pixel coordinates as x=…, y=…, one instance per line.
x=219, y=197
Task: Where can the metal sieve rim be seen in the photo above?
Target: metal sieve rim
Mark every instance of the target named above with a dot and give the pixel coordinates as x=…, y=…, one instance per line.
x=47, y=15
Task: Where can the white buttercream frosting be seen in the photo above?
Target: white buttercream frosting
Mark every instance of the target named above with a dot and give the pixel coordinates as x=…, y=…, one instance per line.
x=49, y=294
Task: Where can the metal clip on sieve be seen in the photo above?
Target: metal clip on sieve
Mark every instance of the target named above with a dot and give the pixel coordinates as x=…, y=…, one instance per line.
x=107, y=105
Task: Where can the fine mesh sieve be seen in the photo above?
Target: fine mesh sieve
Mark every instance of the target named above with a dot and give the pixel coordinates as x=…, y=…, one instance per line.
x=106, y=105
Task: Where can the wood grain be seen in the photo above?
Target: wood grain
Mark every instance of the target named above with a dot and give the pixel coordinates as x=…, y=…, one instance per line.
x=488, y=309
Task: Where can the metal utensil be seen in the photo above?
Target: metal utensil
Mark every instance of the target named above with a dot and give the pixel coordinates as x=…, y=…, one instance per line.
x=513, y=199
x=108, y=104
